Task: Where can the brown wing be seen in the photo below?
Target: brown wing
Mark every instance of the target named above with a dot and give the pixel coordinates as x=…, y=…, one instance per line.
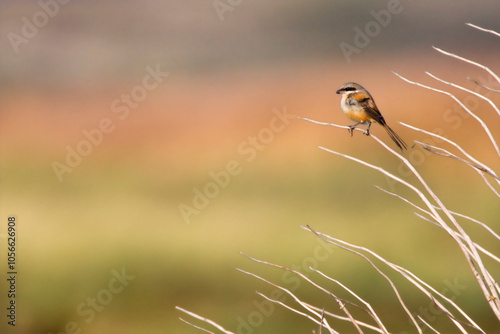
x=370, y=107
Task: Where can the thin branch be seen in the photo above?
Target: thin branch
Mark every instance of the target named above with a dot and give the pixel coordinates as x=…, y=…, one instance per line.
x=489, y=184
x=477, y=162
x=484, y=251
x=421, y=319
x=307, y=279
x=391, y=283
x=484, y=86
x=481, y=249
x=208, y=321
x=362, y=324
x=483, y=225
x=479, y=169
x=483, y=29
x=294, y=310
x=483, y=124
x=490, y=171
x=469, y=61
x=304, y=277
x=329, y=124
x=486, y=227
x=444, y=153
x=466, y=90
x=372, y=311
x=483, y=277
x=195, y=326
x=300, y=302
x=346, y=311
x=417, y=282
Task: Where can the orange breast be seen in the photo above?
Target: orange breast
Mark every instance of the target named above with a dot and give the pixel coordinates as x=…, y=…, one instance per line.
x=358, y=115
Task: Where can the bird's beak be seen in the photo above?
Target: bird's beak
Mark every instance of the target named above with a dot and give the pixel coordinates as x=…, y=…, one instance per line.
x=340, y=91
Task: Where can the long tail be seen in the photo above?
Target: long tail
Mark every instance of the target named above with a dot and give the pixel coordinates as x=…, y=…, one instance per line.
x=394, y=136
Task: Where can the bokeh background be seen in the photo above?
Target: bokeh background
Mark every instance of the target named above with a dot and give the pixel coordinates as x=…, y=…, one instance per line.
x=228, y=76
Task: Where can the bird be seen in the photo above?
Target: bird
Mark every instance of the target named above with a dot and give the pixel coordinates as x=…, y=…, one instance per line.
x=358, y=104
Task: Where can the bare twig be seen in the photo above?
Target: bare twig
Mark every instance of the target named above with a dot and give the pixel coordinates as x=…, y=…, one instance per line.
x=484, y=86
x=313, y=319
x=481, y=249
x=315, y=285
x=393, y=286
x=195, y=326
x=483, y=225
x=483, y=124
x=421, y=319
x=362, y=324
x=486, y=227
x=483, y=29
x=421, y=285
x=469, y=61
x=300, y=302
x=484, y=251
x=466, y=90
x=442, y=152
x=479, y=169
x=208, y=321
x=329, y=124
x=483, y=277
x=368, y=306
x=470, y=157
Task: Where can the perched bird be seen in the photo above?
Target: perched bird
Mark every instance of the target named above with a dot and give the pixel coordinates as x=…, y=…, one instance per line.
x=359, y=106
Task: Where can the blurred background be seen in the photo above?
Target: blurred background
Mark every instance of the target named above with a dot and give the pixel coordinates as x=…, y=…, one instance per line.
x=150, y=140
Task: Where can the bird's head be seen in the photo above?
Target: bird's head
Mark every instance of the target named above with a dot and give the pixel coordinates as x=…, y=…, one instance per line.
x=351, y=87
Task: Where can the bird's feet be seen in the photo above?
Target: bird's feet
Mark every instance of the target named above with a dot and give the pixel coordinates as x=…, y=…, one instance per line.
x=351, y=128
x=367, y=132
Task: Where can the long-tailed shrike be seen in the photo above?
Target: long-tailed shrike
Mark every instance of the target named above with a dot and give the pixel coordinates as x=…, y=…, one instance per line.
x=359, y=106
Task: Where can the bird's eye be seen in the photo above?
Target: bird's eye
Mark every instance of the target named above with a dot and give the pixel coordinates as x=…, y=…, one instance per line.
x=349, y=89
